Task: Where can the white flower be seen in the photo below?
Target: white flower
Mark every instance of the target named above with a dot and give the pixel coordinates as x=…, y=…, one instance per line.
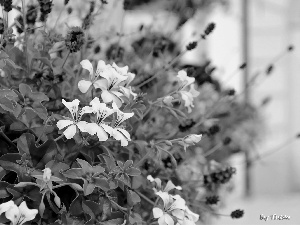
x=190, y=218
x=17, y=215
x=126, y=89
x=173, y=205
x=169, y=186
x=74, y=122
x=84, y=85
x=168, y=101
x=99, y=127
x=121, y=70
x=119, y=133
x=190, y=139
x=110, y=85
x=187, y=89
x=47, y=174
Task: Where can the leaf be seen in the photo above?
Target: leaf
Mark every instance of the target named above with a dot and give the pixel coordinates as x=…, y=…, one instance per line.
x=24, y=142
x=128, y=164
x=132, y=198
x=76, y=206
x=42, y=207
x=76, y=173
x=88, y=188
x=18, y=126
x=106, y=210
x=109, y=161
x=102, y=183
x=3, y=192
x=136, y=182
x=135, y=218
x=118, y=221
x=133, y=171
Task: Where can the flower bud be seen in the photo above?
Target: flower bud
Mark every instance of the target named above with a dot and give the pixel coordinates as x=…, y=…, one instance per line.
x=47, y=174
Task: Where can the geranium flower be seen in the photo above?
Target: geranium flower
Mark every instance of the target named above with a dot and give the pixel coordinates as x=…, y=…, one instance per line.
x=190, y=139
x=84, y=85
x=121, y=70
x=74, y=122
x=173, y=206
x=187, y=89
x=126, y=89
x=17, y=215
x=119, y=133
x=190, y=218
x=99, y=127
x=169, y=186
x=110, y=86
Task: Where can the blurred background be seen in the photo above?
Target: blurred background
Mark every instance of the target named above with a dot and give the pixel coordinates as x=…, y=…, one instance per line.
x=258, y=33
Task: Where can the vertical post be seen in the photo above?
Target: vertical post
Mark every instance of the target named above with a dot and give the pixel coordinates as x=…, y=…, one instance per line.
x=245, y=52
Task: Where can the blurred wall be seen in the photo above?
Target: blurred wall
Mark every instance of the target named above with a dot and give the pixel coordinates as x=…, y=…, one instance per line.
x=273, y=26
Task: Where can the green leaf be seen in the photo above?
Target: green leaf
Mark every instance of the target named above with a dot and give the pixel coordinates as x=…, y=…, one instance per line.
x=133, y=171
x=88, y=188
x=3, y=192
x=106, y=209
x=102, y=183
x=76, y=173
x=135, y=218
x=24, y=142
x=113, y=222
x=132, y=198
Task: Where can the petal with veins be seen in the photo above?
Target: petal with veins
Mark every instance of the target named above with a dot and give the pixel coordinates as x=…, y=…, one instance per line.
x=168, y=219
x=101, y=66
x=13, y=214
x=70, y=131
x=101, y=134
x=84, y=85
x=61, y=124
x=92, y=128
x=29, y=214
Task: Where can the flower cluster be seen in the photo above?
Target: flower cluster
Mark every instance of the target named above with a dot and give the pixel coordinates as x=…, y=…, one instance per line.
x=174, y=207
x=98, y=125
x=112, y=80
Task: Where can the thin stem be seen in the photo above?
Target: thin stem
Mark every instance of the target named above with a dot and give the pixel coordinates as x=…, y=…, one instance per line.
x=6, y=138
x=65, y=59
x=143, y=158
x=60, y=137
x=145, y=197
x=213, y=149
x=25, y=33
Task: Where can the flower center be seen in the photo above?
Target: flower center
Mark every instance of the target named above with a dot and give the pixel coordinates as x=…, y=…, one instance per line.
x=112, y=83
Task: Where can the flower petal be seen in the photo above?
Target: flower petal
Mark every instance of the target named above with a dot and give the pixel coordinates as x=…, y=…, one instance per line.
x=109, y=97
x=165, y=197
x=86, y=64
x=29, y=214
x=13, y=214
x=61, y=124
x=72, y=106
x=168, y=219
x=170, y=186
x=107, y=128
x=157, y=212
x=101, y=83
x=101, y=134
x=178, y=213
x=84, y=85
x=70, y=131
x=121, y=70
x=92, y=128
x=82, y=125
x=6, y=206
x=101, y=66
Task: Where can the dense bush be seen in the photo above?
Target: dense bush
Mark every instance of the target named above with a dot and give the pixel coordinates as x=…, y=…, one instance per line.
x=132, y=138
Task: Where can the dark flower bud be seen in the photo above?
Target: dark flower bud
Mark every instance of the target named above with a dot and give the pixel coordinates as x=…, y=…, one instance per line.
x=92, y=6
x=236, y=214
x=104, y=2
x=74, y=39
x=210, y=27
x=191, y=45
x=66, y=2
x=243, y=66
x=1, y=2
x=269, y=69
x=19, y=24
x=1, y=26
x=141, y=27
x=231, y=92
x=97, y=49
x=69, y=10
x=214, y=129
x=290, y=48
x=31, y=14
x=227, y=141
x=212, y=200
x=7, y=5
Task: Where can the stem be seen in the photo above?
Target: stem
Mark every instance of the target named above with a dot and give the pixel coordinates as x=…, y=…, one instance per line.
x=25, y=34
x=163, y=69
x=60, y=137
x=143, y=158
x=65, y=59
x=213, y=149
x=145, y=197
x=6, y=138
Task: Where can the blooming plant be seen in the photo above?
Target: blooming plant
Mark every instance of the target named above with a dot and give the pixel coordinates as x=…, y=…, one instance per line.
x=142, y=140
